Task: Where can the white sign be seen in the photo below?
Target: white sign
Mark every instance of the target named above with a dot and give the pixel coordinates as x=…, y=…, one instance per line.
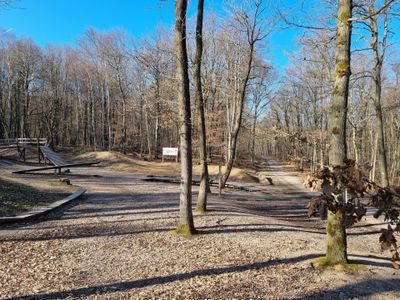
x=170, y=151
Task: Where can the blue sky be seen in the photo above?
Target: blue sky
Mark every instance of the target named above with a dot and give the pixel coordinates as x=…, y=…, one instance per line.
x=64, y=21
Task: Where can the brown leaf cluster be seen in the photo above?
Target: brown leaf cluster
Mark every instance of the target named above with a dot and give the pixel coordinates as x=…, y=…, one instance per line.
x=350, y=179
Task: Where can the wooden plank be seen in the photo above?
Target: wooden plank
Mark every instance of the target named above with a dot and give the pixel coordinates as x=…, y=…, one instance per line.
x=52, y=156
x=34, y=214
x=57, y=167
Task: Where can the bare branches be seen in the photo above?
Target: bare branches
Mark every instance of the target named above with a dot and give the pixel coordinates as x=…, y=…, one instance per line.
x=369, y=14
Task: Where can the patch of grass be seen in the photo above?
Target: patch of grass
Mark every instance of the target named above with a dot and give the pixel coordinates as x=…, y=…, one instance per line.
x=16, y=198
x=321, y=262
x=183, y=230
x=201, y=211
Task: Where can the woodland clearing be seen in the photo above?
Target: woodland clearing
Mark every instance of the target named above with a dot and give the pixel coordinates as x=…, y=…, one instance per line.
x=114, y=243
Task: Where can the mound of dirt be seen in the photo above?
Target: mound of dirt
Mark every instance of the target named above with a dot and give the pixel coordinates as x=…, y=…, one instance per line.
x=119, y=162
x=237, y=174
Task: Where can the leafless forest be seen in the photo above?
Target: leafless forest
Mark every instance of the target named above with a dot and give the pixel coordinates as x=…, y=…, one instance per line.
x=210, y=86
x=111, y=91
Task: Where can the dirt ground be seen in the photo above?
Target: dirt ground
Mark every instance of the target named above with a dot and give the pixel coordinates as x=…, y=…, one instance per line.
x=114, y=243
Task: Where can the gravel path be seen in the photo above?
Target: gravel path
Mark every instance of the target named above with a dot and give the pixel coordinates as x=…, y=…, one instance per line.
x=114, y=244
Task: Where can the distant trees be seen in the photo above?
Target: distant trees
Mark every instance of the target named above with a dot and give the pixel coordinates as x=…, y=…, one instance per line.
x=298, y=116
x=111, y=92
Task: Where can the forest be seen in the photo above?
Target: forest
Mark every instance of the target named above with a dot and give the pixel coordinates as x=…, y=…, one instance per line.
x=211, y=86
x=113, y=92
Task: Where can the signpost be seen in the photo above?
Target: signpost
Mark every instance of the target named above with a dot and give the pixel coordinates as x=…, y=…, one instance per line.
x=170, y=152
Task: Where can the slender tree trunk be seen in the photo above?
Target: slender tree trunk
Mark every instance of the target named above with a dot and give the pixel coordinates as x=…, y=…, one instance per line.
x=157, y=121
x=355, y=147
x=204, y=180
x=336, y=233
x=94, y=125
x=185, y=225
x=124, y=137
x=109, y=118
x=148, y=134
x=377, y=74
x=124, y=110
x=253, y=136
x=233, y=135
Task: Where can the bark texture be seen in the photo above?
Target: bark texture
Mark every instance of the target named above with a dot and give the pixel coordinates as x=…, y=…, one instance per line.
x=204, y=180
x=185, y=225
x=377, y=76
x=336, y=251
x=336, y=241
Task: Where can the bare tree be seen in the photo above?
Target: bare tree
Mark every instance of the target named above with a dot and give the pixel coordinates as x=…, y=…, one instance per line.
x=185, y=225
x=204, y=180
x=336, y=251
x=250, y=23
x=379, y=50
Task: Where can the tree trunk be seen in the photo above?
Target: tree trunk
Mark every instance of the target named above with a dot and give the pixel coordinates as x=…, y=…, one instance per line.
x=377, y=75
x=204, y=180
x=233, y=135
x=185, y=225
x=336, y=251
x=253, y=136
x=336, y=240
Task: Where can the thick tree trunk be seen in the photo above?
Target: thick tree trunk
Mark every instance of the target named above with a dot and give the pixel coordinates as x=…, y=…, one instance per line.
x=336, y=233
x=204, y=180
x=185, y=225
x=336, y=240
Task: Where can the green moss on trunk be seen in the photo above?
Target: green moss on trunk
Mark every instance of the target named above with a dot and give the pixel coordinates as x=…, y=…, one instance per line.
x=322, y=262
x=201, y=210
x=183, y=230
x=336, y=248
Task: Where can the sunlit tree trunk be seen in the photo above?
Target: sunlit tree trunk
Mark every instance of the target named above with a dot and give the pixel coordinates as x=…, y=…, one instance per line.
x=185, y=225
x=377, y=77
x=204, y=180
x=336, y=251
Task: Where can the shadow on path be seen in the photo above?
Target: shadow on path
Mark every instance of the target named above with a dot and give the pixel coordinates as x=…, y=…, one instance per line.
x=360, y=289
x=127, y=285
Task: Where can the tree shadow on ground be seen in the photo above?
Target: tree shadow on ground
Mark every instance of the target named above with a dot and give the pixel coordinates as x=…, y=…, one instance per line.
x=366, y=288
x=360, y=289
x=140, y=283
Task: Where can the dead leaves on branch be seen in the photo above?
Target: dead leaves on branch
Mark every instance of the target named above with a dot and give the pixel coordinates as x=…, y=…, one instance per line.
x=388, y=242
x=343, y=189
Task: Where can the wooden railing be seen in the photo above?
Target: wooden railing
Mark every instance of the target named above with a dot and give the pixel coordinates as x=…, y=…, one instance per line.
x=24, y=141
